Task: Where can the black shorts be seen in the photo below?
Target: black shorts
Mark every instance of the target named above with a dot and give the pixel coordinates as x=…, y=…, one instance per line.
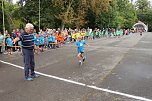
x=9, y=47
x=80, y=52
x=36, y=45
x=41, y=45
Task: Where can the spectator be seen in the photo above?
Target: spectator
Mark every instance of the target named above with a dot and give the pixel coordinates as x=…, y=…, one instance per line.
x=1, y=42
x=9, y=44
x=27, y=39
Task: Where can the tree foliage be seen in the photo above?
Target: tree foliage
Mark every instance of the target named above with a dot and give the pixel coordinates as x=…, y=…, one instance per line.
x=77, y=13
x=144, y=12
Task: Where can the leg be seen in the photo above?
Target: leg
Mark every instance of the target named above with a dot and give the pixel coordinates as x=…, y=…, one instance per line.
x=13, y=48
x=32, y=62
x=9, y=51
x=0, y=49
x=79, y=56
x=26, y=56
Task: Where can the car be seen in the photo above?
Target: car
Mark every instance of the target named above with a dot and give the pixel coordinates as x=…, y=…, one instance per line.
x=132, y=30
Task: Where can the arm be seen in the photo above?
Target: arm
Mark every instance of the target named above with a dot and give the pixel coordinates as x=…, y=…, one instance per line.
x=15, y=40
x=87, y=44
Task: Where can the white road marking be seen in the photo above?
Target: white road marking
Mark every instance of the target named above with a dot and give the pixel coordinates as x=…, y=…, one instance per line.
x=82, y=84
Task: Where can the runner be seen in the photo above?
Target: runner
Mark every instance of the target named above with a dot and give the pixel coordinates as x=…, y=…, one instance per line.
x=80, y=48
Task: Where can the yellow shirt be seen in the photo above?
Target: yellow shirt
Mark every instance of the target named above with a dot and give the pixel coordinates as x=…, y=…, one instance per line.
x=73, y=35
x=83, y=34
x=77, y=35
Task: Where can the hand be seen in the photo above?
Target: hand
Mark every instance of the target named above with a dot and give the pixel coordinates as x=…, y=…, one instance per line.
x=13, y=42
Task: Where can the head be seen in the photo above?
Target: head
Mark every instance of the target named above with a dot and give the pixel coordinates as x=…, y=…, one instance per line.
x=29, y=28
x=37, y=36
x=79, y=38
x=8, y=35
x=14, y=30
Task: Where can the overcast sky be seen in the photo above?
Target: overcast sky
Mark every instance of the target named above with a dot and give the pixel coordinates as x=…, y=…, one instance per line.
x=14, y=1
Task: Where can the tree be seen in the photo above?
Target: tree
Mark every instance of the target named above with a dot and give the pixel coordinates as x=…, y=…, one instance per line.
x=144, y=12
x=142, y=5
x=125, y=15
x=6, y=16
x=65, y=12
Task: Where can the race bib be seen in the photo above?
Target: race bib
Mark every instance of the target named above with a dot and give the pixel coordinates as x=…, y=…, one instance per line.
x=81, y=44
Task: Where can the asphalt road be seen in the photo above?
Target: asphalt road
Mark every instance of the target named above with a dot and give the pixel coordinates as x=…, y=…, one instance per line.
x=116, y=69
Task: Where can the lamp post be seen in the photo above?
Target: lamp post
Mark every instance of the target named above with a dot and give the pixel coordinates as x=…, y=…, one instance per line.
x=39, y=14
x=3, y=17
x=3, y=23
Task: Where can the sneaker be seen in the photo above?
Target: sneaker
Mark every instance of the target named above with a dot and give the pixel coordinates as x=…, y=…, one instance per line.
x=80, y=63
x=29, y=79
x=84, y=58
x=35, y=76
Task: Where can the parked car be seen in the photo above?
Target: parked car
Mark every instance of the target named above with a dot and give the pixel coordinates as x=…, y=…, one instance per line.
x=132, y=30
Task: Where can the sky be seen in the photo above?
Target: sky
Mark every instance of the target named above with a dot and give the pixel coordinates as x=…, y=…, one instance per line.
x=14, y=1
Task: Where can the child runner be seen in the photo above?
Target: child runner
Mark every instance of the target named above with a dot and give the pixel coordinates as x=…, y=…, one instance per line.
x=9, y=44
x=80, y=48
x=36, y=43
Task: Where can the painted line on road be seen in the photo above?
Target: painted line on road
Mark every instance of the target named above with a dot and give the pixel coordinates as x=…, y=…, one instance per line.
x=82, y=84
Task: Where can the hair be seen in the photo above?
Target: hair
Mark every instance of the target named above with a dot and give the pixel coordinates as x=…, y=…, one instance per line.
x=29, y=25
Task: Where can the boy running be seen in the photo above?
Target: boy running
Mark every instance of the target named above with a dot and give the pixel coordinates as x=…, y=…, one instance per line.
x=80, y=48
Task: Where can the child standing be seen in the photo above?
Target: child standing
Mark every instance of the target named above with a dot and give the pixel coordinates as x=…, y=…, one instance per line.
x=36, y=43
x=41, y=43
x=53, y=38
x=80, y=48
x=9, y=44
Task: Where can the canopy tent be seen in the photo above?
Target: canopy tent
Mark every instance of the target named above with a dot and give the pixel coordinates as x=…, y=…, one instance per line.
x=140, y=25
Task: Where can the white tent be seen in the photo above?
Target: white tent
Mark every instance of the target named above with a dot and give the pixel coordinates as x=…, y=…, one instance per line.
x=140, y=25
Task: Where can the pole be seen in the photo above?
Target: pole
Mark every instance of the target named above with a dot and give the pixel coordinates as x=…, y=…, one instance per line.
x=39, y=14
x=3, y=23
x=3, y=17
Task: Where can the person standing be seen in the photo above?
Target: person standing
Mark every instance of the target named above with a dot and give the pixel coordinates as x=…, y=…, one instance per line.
x=9, y=44
x=27, y=39
x=13, y=36
x=1, y=42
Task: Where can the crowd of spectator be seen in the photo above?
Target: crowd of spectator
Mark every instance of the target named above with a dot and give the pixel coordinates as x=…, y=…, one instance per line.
x=55, y=38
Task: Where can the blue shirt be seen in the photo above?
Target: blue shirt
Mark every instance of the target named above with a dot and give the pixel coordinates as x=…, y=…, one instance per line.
x=36, y=41
x=9, y=42
x=49, y=38
x=27, y=40
x=80, y=45
x=41, y=40
x=53, y=38
x=1, y=38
